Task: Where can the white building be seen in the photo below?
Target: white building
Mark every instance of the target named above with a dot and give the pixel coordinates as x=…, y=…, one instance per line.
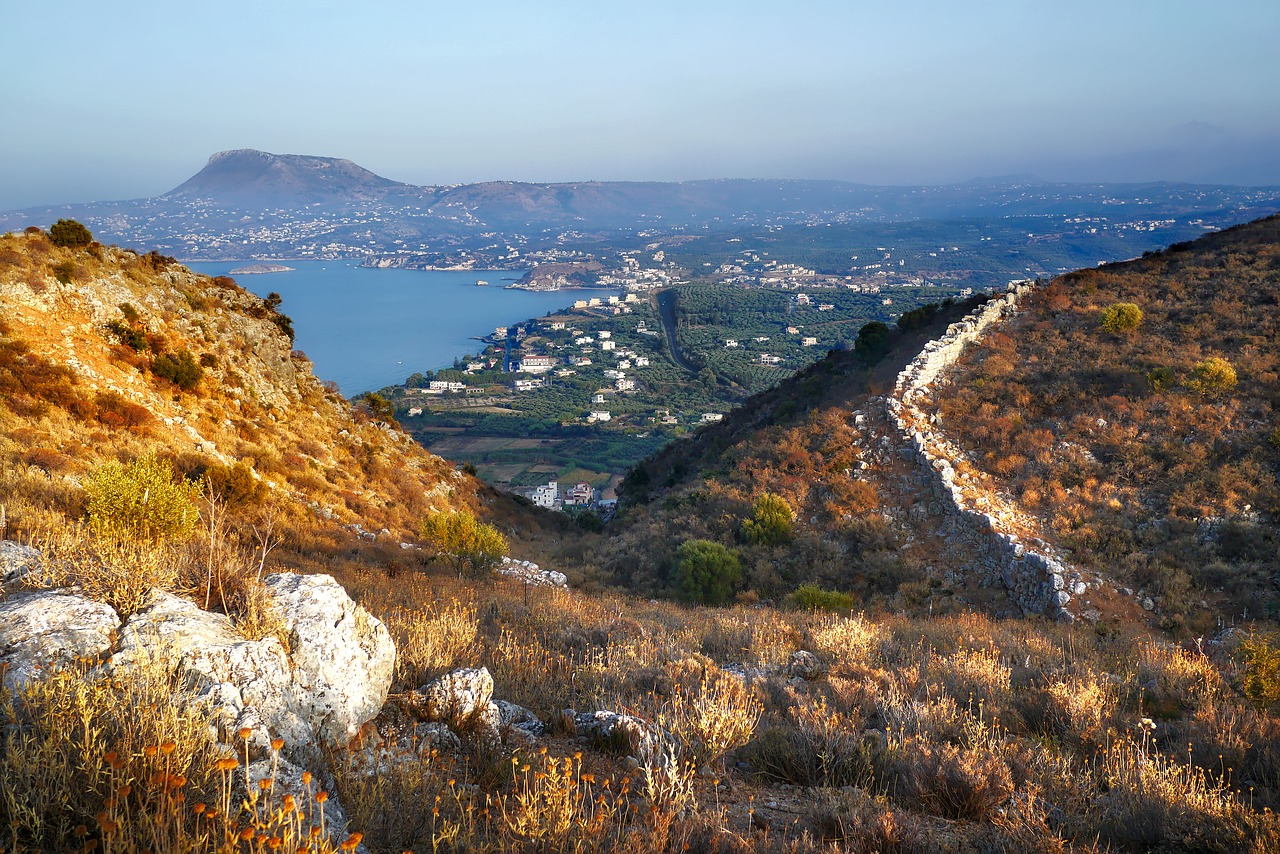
x=537, y=364
x=547, y=495
x=608, y=345
x=598, y=415
x=711, y=417
x=809, y=342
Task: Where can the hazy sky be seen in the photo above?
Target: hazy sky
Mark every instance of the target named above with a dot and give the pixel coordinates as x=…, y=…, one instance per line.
x=124, y=100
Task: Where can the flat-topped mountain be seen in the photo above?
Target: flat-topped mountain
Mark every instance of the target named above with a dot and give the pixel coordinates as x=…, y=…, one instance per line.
x=247, y=176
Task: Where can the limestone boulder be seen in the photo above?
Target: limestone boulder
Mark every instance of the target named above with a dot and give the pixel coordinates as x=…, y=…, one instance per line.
x=16, y=560
x=342, y=656
x=43, y=632
x=805, y=665
x=242, y=682
x=455, y=698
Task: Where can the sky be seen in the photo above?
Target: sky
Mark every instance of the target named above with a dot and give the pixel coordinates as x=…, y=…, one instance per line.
x=114, y=101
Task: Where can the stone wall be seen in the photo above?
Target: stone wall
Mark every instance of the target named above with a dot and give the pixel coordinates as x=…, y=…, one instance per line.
x=1035, y=578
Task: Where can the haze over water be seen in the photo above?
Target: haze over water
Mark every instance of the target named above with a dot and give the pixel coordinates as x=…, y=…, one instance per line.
x=366, y=329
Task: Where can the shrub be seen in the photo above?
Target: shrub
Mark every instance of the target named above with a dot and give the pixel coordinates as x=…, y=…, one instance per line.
x=770, y=522
x=235, y=486
x=872, y=342
x=70, y=234
x=811, y=597
x=1121, y=318
x=142, y=500
x=64, y=271
x=461, y=538
x=1160, y=378
x=952, y=782
x=1261, y=671
x=1213, y=375
x=707, y=572
x=128, y=335
x=179, y=368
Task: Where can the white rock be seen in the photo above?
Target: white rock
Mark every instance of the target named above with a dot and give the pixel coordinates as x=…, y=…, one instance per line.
x=44, y=632
x=16, y=560
x=342, y=656
x=455, y=698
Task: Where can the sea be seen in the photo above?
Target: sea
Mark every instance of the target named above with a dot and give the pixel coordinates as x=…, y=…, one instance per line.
x=366, y=328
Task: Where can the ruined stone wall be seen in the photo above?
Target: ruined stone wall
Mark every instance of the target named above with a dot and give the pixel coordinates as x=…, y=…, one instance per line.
x=1035, y=578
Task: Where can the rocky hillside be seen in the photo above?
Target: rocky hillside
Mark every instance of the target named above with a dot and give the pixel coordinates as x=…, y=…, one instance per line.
x=107, y=355
x=1034, y=456
x=1128, y=415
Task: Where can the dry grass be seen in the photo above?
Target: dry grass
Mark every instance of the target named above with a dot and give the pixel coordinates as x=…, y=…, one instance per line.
x=127, y=764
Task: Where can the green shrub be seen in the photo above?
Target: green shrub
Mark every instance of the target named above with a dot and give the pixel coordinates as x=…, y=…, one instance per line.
x=128, y=335
x=1161, y=378
x=179, y=368
x=1213, y=375
x=235, y=485
x=707, y=572
x=142, y=500
x=64, y=271
x=463, y=540
x=770, y=522
x=811, y=597
x=1121, y=318
x=1261, y=671
x=70, y=234
x=872, y=342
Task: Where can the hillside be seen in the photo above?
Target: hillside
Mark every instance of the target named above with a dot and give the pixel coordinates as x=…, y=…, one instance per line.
x=1135, y=450
x=435, y=712
x=108, y=355
x=256, y=178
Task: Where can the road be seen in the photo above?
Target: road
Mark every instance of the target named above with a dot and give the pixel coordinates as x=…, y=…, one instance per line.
x=667, y=311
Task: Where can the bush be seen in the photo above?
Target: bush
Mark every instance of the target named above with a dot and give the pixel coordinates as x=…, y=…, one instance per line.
x=811, y=597
x=128, y=335
x=70, y=234
x=179, y=368
x=142, y=500
x=707, y=572
x=770, y=522
x=1261, y=671
x=1213, y=375
x=64, y=271
x=872, y=342
x=1121, y=318
x=1160, y=378
x=235, y=486
x=464, y=540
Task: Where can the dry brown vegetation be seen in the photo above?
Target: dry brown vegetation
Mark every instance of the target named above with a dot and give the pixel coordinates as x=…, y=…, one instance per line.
x=79, y=386
x=1136, y=449
x=960, y=732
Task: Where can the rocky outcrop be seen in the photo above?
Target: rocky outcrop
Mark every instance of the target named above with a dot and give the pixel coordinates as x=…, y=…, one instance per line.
x=16, y=560
x=1034, y=576
x=342, y=656
x=332, y=678
x=625, y=734
x=530, y=573
x=41, y=633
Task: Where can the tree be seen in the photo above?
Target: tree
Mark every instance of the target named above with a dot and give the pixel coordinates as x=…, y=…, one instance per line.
x=707, y=572
x=770, y=522
x=142, y=500
x=872, y=342
x=70, y=234
x=461, y=538
x=1121, y=318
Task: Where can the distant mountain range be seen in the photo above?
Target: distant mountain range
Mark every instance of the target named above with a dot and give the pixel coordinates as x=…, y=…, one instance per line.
x=251, y=204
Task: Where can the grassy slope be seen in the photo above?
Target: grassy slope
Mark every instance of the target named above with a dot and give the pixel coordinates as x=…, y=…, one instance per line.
x=1164, y=485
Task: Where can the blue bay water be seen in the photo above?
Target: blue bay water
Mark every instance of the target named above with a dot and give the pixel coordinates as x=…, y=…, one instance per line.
x=366, y=329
